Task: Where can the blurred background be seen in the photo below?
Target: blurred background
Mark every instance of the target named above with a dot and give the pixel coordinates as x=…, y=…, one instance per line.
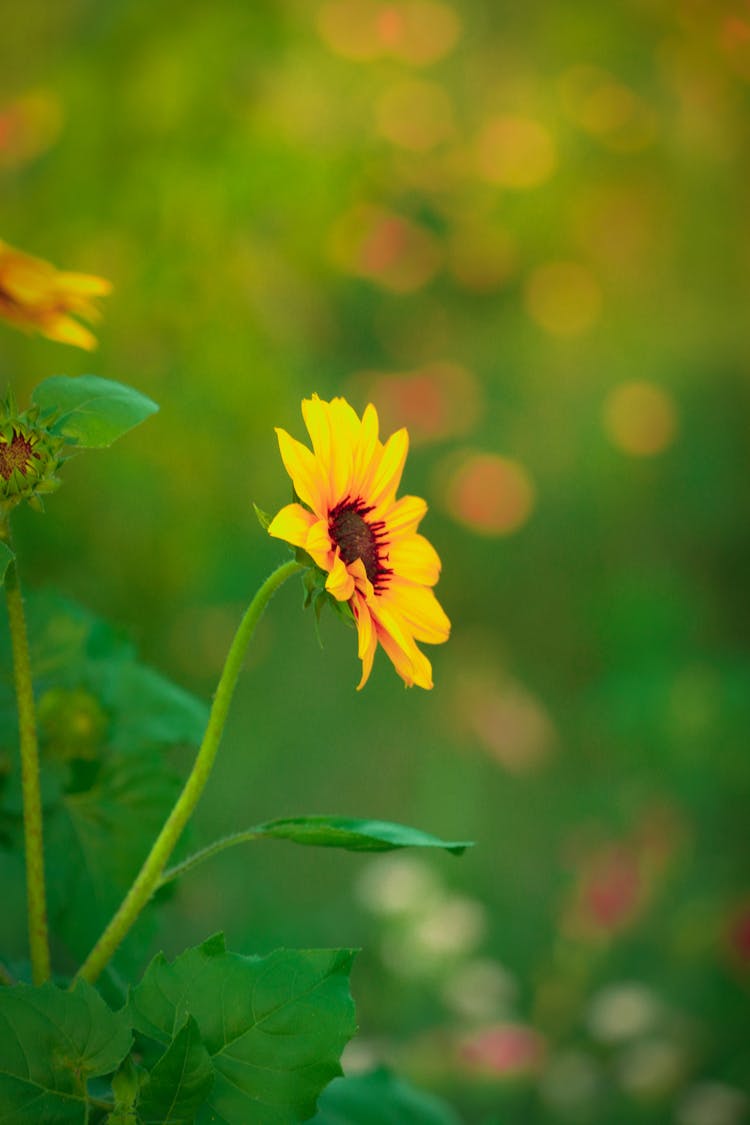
x=524, y=233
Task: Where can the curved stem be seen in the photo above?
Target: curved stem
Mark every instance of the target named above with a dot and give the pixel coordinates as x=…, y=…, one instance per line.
x=150, y=874
x=29, y=749
x=210, y=850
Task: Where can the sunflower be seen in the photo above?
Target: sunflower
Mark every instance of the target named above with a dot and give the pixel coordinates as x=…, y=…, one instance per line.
x=36, y=296
x=361, y=536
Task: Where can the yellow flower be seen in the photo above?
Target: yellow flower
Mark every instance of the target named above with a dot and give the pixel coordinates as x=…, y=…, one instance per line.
x=365, y=539
x=36, y=296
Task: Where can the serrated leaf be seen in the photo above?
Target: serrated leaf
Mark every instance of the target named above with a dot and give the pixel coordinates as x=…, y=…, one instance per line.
x=89, y=411
x=355, y=835
x=51, y=1043
x=179, y=1083
x=6, y=557
x=274, y=1026
x=71, y=649
x=380, y=1098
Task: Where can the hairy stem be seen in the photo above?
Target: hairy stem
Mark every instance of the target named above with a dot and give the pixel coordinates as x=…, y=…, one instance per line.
x=29, y=748
x=210, y=850
x=149, y=876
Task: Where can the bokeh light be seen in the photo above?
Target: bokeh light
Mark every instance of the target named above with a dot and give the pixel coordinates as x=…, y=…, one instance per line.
x=29, y=125
x=505, y=718
x=419, y=32
x=607, y=109
x=438, y=401
x=415, y=114
x=482, y=257
x=515, y=152
x=385, y=248
x=640, y=418
x=563, y=298
x=490, y=494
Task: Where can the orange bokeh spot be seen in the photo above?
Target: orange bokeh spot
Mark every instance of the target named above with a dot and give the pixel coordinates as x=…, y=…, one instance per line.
x=563, y=298
x=29, y=126
x=734, y=40
x=515, y=152
x=415, y=115
x=419, y=32
x=349, y=28
x=640, y=418
x=435, y=402
x=386, y=248
x=492, y=495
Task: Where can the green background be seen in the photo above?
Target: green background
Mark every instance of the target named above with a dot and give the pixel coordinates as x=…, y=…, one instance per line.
x=293, y=197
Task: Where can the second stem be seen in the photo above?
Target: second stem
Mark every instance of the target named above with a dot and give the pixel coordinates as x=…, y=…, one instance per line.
x=149, y=876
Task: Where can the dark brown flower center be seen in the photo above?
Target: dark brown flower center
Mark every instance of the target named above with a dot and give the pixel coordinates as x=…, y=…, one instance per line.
x=356, y=538
x=15, y=454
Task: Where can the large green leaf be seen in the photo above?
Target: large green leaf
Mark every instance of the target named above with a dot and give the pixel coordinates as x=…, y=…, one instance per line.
x=72, y=650
x=89, y=411
x=179, y=1083
x=274, y=1026
x=51, y=1043
x=380, y=1098
x=95, y=842
x=355, y=835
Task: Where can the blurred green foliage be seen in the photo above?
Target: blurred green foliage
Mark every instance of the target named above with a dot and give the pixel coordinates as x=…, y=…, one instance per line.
x=522, y=232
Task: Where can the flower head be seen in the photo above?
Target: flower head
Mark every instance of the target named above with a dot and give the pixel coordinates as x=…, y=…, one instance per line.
x=36, y=296
x=362, y=538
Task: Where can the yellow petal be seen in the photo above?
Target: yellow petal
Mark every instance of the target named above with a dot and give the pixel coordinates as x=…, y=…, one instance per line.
x=412, y=665
x=362, y=582
x=403, y=517
x=387, y=475
x=84, y=284
x=306, y=473
x=367, y=639
x=330, y=433
x=365, y=449
x=292, y=524
x=420, y=611
x=318, y=544
x=67, y=331
x=340, y=582
x=414, y=558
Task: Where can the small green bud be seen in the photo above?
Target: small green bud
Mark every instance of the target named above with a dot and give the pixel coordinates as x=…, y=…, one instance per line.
x=72, y=724
x=29, y=457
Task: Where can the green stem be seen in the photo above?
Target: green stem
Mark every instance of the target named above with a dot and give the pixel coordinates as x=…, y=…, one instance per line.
x=217, y=846
x=29, y=748
x=148, y=878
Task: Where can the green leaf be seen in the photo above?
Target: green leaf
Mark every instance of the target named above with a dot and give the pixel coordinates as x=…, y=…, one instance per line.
x=96, y=841
x=274, y=1026
x=380, y=1098
x=179, y=1083
x=263, y=517
x=6, y=557
x=89, y=411
x=355, y=835
x=51, y=1043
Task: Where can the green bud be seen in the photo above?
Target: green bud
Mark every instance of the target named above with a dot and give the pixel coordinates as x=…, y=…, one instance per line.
x=72, y=724
x=30, y=457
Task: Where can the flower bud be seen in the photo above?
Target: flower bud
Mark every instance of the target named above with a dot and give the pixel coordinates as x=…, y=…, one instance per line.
x=30, y=457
